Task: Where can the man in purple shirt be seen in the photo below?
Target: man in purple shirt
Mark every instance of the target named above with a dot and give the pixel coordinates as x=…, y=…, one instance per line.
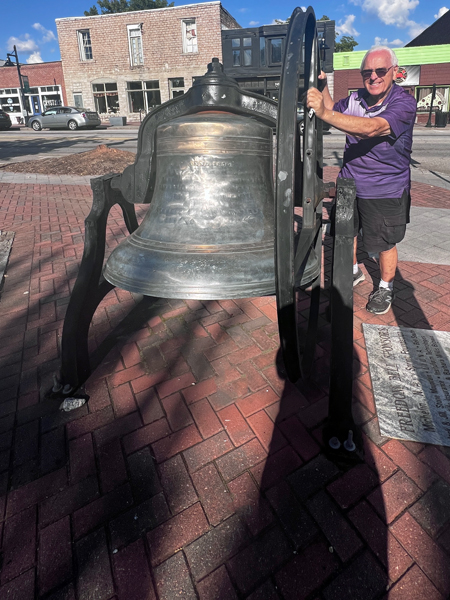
x=378, y=120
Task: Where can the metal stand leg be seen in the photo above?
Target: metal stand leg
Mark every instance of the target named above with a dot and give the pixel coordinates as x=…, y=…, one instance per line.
x=90, y=287
x=307, y=358
x=341, y=435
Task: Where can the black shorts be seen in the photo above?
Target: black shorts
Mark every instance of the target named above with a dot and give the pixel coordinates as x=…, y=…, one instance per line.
x=382, y=221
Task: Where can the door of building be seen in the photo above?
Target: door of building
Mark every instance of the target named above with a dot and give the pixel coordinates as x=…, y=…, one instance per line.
x=36, y=105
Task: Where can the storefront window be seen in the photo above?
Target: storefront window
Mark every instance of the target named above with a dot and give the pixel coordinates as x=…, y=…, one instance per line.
x=143, y=95
x=424, y=96
x=50, y=100
x=106, y=97
x=37, y=99
x=9, y=101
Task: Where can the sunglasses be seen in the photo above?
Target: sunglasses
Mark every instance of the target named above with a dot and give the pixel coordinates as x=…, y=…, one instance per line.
x=367, y=73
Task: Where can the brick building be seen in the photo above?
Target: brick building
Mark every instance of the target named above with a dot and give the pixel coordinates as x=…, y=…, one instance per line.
x=46, y=89
x=127, y=63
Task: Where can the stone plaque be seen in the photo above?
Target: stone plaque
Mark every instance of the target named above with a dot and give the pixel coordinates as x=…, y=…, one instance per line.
x=410, y=371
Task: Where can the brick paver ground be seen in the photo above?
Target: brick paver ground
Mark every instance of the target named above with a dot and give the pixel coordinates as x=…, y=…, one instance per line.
x=196, y=470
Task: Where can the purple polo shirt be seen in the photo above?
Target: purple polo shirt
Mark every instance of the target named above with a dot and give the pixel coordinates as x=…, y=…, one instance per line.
x=380, y=165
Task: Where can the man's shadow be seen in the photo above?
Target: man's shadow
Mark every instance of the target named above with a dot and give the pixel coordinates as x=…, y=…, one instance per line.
x=342, y=519
x=320, y=506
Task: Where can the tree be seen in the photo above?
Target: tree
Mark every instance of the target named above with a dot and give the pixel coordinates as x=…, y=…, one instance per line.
x=324, y=18
x=346, y=44
x=119, y=6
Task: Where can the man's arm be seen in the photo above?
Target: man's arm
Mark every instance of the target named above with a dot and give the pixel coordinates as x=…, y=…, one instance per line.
x=361, y=127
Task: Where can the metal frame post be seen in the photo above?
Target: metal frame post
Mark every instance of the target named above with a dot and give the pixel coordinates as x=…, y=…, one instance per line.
x=341, y=436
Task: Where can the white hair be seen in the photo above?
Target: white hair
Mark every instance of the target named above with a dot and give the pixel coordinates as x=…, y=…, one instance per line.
x=391, y=53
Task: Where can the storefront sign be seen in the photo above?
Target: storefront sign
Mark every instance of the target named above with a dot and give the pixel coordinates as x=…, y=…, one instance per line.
x=410, y=371
x=408, y=75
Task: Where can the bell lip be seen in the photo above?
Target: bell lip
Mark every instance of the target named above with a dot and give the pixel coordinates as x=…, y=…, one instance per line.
x=164, y=290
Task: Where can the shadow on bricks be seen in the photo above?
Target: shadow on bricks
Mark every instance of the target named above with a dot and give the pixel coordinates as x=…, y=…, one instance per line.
x=196, y=470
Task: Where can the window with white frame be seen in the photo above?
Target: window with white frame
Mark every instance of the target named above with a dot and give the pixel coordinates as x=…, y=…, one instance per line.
x=84, y=43
x=135, y=44
x=9, y=100
x=189, y=31
x=176, y=86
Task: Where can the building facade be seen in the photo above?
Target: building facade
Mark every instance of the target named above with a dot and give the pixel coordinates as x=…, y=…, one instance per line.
x=420, y=68
x=127, y=63
x=46, y=89
x=254, y=56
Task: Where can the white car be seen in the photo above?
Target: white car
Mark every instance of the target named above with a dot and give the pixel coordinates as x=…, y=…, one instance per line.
x=60, y=117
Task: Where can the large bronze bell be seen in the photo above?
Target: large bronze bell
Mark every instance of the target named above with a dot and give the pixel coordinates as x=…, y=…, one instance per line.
x=209, y=231
x=217, y=226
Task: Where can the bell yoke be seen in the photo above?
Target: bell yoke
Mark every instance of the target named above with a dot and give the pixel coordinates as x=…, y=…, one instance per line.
x=218, y=225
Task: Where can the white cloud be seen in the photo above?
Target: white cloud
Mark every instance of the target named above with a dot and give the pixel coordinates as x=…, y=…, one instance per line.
x=415, y=29
x=390, y=12
x=34, y=58
x=253, y=23
x=345, y=27
x=25, y=45
x=394, y=12
x=441, y=12
x=384, y=42
x=243, y=10
x=47, y=33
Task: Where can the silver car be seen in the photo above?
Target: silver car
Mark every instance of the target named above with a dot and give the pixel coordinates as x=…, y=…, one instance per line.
x=65, y=116
x=5, y=121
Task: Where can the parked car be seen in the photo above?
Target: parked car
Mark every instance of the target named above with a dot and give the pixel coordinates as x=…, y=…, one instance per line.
x=65, y=116
x=5, y=121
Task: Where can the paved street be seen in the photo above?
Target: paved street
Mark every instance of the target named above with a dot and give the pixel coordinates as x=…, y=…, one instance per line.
x=196, y=470
x=431, y=149
x=25, y=144
x=430, y=163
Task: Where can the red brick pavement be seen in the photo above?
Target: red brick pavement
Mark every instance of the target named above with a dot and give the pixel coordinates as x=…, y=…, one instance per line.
x=195, y=470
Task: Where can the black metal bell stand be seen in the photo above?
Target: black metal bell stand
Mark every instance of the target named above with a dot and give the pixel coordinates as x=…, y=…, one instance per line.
x=299, y=172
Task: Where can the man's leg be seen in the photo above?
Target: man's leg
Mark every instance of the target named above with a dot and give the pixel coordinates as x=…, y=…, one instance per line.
x=381, y=299
x=358, y=275
x=388, y=264
x=383, y=225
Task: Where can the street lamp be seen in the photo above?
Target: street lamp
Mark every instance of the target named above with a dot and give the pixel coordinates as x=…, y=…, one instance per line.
x=433, y=95
x=10, y=63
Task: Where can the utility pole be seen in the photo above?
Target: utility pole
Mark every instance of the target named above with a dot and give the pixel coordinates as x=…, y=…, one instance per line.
x=9, y=63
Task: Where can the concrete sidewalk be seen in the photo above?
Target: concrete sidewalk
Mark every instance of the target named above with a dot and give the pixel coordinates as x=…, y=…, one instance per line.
x=196, y=470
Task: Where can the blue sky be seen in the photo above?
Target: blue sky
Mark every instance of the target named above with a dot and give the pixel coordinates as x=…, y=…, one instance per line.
x=30, y=25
